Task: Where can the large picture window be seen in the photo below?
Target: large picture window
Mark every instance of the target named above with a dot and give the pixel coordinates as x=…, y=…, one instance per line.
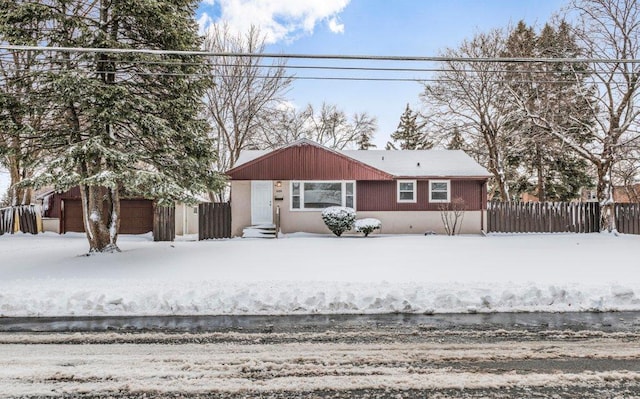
x=439, y=191
x=317, y=195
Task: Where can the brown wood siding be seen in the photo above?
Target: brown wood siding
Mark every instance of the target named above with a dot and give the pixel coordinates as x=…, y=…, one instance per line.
x=382, y=195
x=306, y=162
x=136, y=216
x=73, y=216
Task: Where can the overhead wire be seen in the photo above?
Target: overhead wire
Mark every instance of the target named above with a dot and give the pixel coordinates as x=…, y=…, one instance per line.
x=89, y=67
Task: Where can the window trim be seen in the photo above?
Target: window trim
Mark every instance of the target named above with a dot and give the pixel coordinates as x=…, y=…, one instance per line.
x=414, y=191
x=343, y=188
x=431, y=200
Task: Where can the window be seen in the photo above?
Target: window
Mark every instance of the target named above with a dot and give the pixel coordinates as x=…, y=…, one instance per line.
x=317, y=195
x=407, y=191
x=439, y=191
x=349, y=194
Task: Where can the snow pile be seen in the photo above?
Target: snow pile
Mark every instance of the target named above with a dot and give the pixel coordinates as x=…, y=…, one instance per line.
x=300, y=274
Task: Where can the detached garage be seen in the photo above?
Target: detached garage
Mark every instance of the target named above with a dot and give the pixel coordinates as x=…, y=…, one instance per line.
x=136, y=215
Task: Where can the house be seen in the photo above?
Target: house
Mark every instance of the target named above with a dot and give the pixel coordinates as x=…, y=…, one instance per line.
x=405, y=190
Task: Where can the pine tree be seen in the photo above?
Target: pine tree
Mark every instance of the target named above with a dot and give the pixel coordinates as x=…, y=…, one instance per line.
x=410, y=134
x=120, y=123
x=364, y=140
x=457, y=141
x=548, y=90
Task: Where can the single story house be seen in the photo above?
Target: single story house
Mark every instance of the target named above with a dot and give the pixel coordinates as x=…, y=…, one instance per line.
x=406, y=190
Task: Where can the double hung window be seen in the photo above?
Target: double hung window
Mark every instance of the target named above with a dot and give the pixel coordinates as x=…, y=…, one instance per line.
x=407, y=191
x=439, y=191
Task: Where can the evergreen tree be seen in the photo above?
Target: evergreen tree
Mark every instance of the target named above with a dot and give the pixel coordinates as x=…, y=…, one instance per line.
x=363, y=140
x=549, y=90
x=121, y=123
x=410, y=134
x=457, y=141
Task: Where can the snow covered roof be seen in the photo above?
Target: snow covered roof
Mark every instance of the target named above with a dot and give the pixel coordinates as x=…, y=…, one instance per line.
x=399, y=163
x=420, y=163
x=250, y=155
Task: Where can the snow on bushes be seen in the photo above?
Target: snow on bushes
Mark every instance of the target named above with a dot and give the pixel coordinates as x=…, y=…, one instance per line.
x=366, y=226
x=339, y=219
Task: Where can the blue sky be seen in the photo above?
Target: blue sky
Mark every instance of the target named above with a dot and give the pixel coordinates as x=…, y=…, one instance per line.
x=371, y=27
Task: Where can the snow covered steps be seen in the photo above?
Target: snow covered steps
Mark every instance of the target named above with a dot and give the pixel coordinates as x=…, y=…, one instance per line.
x=260, y=231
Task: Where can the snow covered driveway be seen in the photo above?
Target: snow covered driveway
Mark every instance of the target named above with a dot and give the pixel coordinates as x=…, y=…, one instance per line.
x=298, y=274
x=328, y=364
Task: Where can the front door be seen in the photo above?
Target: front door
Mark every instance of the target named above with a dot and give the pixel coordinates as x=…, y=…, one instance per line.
x=261, y=198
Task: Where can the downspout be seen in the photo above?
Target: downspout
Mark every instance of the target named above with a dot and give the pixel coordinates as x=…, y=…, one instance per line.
x=483, y=206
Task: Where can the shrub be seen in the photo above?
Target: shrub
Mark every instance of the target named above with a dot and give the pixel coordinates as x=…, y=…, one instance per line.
x=338, y=219
x=366, y=226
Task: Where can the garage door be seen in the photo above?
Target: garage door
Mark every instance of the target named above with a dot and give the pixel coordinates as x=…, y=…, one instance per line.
x=136, y=216
x=73, y=216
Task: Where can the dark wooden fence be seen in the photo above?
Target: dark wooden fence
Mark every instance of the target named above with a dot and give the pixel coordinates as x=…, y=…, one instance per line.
x=164, y=223
x=27, y=218
x=214, y=220
x=7, y=220
x=543, y=217
x=627, y=218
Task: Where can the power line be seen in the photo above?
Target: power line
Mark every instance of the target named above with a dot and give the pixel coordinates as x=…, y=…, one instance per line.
x=320, y=56
x=321, y=68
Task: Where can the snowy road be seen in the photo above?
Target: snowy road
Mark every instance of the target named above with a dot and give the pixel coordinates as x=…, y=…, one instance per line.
x=376, y=363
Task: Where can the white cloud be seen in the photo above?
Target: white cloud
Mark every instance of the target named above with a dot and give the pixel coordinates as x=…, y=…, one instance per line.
x=279, y=19
x=203, y=22
x=334, y=26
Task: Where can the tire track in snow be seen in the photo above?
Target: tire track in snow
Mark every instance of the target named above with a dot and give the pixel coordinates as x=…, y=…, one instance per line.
x=380, y=365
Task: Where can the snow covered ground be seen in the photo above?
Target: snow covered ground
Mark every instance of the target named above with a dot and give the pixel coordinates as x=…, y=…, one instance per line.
x=47, y=275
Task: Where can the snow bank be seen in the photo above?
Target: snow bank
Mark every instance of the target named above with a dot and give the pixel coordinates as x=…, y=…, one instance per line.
x=45, y=275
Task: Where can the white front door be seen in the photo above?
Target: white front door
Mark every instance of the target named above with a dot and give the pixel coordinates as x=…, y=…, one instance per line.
x=261, y=199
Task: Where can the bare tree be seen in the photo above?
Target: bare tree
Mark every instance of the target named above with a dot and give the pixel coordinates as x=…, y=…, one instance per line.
x=470, y=96
x=244, y=93
x=452, y=215
x=626, y=172
x=329, y=126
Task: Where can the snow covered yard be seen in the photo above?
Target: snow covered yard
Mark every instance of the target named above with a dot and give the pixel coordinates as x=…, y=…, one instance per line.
x=47, y=275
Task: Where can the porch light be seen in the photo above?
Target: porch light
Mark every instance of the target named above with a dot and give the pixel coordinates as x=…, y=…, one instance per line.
x=278, y=183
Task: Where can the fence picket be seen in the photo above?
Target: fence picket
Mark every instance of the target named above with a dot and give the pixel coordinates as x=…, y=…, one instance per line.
x=214, y=220
x=164, y=223
x=25, y=215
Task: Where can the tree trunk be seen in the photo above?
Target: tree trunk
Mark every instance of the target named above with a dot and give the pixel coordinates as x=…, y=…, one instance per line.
x=542, y=191
x=102, y=237
x=605, y=196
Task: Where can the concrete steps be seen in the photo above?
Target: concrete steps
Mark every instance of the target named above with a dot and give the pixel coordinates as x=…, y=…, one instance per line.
x=260, y=231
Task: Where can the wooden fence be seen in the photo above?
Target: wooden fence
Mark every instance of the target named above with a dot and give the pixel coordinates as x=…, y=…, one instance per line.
x=543, y=217
x=627, y=218
x=164, y=223
x=25, y=215
x=7, y=221
x=214, y=220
